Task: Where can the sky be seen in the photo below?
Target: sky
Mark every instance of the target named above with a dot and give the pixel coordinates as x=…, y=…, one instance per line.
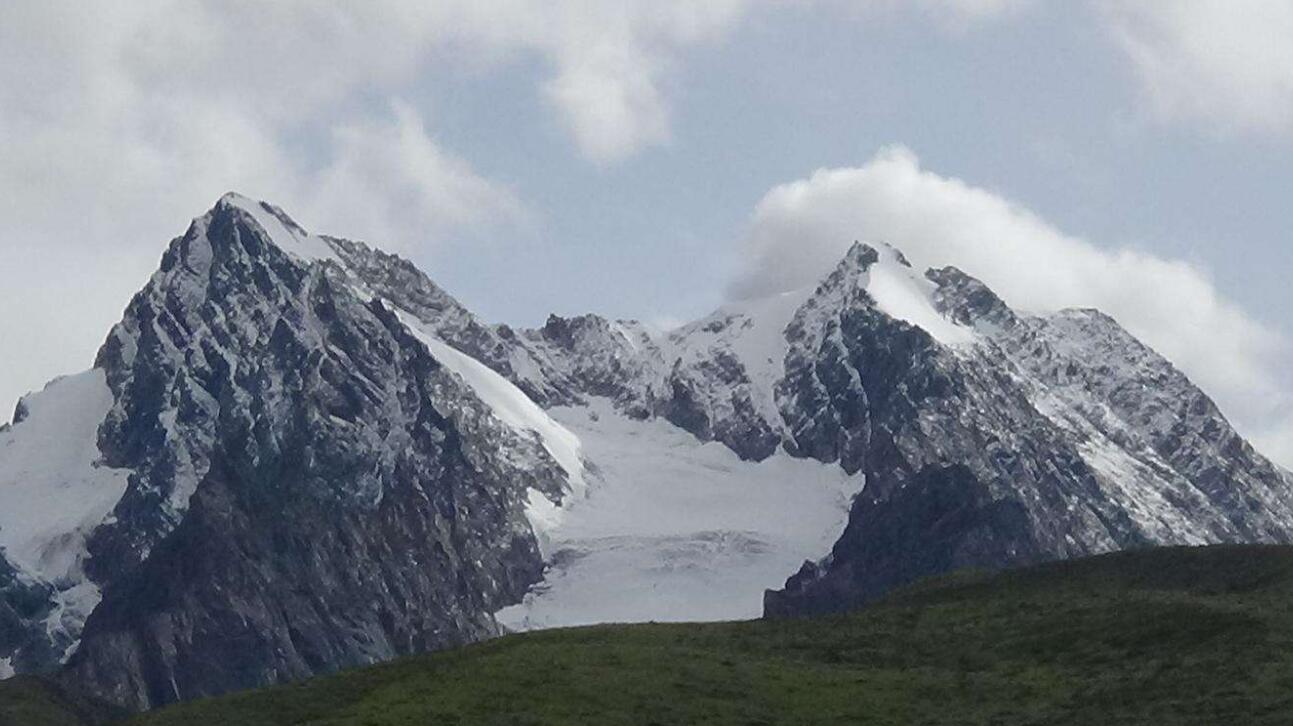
x=651, y=159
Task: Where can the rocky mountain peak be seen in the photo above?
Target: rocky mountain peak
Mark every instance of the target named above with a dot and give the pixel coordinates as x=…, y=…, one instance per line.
x=568, y=333
x=859, y=258
x=298, y=453
x=310, y=475
x=966, y=300
x=276, y=226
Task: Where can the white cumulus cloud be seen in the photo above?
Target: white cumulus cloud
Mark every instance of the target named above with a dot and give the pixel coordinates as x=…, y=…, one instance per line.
x=122, y=120
x=801, y=229
x=1227, y=63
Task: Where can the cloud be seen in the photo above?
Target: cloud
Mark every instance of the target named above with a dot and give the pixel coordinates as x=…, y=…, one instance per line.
x=610, y=60
x=1276, y=441
x=954, y=17
x=1227, y=63
x=801, y=229
x=960, y=14
x=123, y=120
x=388, y=180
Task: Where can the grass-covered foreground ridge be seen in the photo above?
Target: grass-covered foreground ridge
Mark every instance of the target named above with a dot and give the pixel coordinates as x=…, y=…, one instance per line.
x=1201, y=636
x=26, y=701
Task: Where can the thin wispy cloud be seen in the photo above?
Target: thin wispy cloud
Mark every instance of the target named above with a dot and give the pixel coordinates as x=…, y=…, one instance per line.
x=1224, y=63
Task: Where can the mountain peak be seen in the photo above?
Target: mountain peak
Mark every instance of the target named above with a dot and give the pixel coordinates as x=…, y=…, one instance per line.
x=860, y=256
x=279, y=229
x=966, y=300
x=893, y=287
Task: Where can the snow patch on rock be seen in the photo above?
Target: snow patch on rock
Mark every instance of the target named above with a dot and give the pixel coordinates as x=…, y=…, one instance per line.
x=515, y=409
x=899, y=292
x=54, y=491
x=754, y=331
x=283, y=231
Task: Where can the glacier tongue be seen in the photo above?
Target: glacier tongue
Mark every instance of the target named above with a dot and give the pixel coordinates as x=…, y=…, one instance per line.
x=674, y=529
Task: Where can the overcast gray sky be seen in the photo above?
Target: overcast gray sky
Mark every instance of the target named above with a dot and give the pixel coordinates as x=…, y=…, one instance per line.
x=647, y=158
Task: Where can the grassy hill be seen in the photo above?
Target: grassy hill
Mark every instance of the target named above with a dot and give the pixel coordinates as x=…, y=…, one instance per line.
x=27, y=701
x=1188, y=636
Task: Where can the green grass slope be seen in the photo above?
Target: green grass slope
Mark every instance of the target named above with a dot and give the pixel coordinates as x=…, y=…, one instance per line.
x=27, y=701
x=1169, y=636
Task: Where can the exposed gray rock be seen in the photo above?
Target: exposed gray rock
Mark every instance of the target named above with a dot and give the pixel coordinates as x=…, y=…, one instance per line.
x=24, y=607
x=1050, y=437
x=312, y=489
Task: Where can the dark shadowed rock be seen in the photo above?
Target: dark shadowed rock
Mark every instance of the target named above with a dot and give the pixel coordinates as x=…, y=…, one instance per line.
x=312, y=489
x=1048, y=438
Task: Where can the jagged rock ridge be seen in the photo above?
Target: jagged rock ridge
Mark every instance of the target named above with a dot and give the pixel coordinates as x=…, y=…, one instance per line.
x=1047, y=437
x=309, y=487
x=297, y=453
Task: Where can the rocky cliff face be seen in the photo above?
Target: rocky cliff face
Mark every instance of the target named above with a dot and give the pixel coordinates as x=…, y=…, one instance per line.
x=24, y=607
x=297, y=453
x=310, y=487
x=1029, y=438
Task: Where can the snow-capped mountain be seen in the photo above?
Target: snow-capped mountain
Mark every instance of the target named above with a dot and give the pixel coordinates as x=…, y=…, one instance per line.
x=293, y=473
x=296, y=453
x=1009, y=439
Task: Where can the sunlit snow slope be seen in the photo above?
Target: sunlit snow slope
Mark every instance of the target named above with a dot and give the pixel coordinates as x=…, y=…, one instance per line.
x=55, y=492
x=674, y=529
